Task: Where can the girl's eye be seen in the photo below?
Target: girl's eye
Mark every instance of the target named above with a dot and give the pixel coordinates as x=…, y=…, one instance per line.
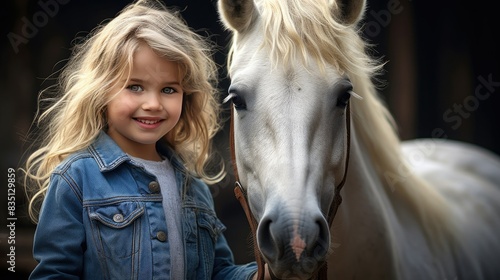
x=168, y=90
x=136, y=88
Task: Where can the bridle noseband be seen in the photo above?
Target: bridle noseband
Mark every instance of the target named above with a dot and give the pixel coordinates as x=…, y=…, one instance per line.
x=241, y=195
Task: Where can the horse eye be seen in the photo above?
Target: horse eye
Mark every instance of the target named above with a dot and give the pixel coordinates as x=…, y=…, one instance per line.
x=238, y=101
x=343, y=99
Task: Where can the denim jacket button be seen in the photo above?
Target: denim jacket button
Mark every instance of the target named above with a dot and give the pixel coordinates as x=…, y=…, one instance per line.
x=118, y=218
x=162, y=236
x=154, y=187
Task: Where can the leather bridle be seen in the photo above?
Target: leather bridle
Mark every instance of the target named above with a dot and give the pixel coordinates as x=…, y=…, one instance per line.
x=241, y=195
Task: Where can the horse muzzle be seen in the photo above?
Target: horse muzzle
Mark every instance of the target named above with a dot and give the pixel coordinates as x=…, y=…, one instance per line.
x=294, y=246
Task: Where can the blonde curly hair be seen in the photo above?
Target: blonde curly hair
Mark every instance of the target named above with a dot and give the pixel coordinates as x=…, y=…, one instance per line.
x=76, y=114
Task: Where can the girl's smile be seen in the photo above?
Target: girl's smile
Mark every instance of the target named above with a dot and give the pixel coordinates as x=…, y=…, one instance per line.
x=149, y=123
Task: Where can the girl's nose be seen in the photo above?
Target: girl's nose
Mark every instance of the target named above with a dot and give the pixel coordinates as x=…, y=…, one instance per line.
x=152, y=102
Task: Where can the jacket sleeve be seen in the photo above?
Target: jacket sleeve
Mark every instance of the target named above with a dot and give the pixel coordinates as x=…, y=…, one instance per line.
x=59, y=240
x=224, y=267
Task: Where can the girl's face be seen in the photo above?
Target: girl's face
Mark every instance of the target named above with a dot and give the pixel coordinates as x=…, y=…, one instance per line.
x=148, y=107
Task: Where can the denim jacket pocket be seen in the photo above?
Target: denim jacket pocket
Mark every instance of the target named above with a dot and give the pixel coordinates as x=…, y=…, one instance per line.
x=116, y=228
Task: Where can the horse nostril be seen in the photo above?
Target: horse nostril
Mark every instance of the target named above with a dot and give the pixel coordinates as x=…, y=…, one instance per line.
x=323, y=242
x=265, y=239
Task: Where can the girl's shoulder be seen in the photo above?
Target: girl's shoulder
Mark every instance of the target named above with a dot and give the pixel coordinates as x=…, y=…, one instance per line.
x=77, y=159
x=103, y=154
x=75, y=173
x=94, y=176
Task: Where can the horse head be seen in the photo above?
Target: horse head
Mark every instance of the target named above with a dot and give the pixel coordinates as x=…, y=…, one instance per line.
x=291, y=95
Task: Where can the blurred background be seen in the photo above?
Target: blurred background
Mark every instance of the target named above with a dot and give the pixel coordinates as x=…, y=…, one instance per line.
x=441, y=80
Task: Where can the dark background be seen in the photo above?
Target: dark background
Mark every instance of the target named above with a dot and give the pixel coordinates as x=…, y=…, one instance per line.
x=438, y=56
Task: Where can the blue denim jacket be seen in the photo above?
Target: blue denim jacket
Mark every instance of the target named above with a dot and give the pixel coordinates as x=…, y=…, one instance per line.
x=102, y=218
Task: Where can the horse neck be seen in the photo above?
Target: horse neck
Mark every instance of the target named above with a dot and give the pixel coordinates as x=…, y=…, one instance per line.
x=363, y=226
x=376, y=230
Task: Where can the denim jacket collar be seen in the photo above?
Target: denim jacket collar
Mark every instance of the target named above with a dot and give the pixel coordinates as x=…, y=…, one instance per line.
x=109, y=155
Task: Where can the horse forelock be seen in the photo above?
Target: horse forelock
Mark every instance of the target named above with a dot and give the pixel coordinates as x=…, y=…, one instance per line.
x=299, y=30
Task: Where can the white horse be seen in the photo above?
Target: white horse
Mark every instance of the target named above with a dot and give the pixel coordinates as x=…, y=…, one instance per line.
x=305, y=107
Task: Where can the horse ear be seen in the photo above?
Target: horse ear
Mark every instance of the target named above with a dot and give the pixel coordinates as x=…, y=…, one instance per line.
x=349, y=11
x=236, y=14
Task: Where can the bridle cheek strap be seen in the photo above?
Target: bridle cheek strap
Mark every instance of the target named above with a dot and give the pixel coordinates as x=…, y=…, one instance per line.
x=241, y=195
x=242, y=198
x=337, y=199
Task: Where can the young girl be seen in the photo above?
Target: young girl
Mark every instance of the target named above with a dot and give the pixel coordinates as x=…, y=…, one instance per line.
x=121, y=168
